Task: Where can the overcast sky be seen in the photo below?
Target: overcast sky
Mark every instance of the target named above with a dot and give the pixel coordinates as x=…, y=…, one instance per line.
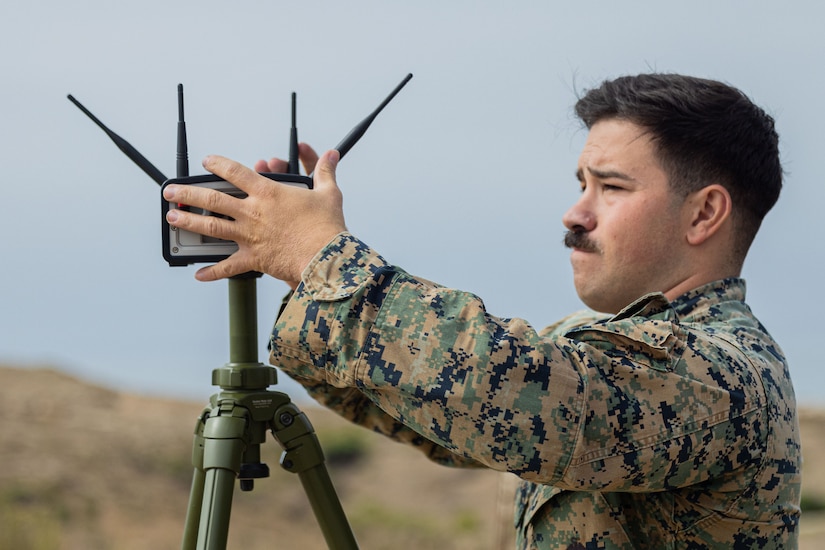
x=463, y=179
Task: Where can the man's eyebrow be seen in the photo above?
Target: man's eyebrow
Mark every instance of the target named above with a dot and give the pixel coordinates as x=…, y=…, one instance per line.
x=604, y=174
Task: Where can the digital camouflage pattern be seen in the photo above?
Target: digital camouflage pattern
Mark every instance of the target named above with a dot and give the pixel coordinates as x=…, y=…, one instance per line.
x=669, y=425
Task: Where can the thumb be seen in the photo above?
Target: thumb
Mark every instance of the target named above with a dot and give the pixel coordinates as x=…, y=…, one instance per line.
x=324, y=175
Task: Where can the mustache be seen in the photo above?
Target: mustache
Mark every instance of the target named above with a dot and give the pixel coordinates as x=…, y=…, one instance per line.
x=580, y=240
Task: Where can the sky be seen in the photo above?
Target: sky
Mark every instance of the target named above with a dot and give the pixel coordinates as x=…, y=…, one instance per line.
x=463, y=178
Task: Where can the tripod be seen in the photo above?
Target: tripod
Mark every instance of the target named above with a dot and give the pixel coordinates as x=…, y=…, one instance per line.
x=230, y=431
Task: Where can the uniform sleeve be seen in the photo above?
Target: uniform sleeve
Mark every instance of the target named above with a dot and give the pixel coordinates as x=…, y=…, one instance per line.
x=432, y=359
x=377, y=343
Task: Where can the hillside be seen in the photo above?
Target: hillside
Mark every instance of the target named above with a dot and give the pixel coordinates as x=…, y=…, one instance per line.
x=88, y=468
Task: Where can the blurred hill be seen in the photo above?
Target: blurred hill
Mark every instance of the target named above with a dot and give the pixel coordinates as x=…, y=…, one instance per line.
x=84, y=467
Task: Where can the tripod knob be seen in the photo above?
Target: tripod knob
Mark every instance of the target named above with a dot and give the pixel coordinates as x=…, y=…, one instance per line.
x=250, y=472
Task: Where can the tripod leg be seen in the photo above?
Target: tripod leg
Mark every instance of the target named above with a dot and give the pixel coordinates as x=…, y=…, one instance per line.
x=327, y=508
x=193, y=513
x=303, y=456
x=217, y=507
x=223, y=447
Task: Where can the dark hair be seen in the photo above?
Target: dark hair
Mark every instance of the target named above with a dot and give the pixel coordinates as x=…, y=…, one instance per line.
x=705, y=132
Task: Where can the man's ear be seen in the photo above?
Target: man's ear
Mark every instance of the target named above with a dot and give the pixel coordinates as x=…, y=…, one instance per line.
x=709, y=210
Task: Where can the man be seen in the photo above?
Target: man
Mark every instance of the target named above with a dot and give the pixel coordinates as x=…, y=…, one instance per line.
x=669, y=421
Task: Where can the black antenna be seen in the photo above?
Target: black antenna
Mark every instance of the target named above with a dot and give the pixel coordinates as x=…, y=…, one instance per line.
x=124, y=146
x=356, y=133
x=183, y=150
x=293, y=142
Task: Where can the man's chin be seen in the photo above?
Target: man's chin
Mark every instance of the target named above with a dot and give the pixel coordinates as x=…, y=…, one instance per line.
x=594, y=300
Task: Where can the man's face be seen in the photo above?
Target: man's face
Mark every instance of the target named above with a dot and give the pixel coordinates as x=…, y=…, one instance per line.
x=624, y=231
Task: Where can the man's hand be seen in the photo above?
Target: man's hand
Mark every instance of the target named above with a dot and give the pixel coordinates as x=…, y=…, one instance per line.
x=278, y=228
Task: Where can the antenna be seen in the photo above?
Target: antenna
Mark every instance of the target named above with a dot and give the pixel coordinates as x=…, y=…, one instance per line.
x=356, y=133
x=182, y=151
x=125, y=146
x=293, y=142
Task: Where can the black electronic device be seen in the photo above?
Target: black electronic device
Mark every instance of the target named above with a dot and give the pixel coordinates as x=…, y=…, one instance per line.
x=182, y=248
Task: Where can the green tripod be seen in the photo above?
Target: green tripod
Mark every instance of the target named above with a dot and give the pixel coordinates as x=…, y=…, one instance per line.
x=230, y=431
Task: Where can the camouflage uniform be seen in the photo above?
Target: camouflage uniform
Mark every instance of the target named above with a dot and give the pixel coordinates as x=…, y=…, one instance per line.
x=669, y=425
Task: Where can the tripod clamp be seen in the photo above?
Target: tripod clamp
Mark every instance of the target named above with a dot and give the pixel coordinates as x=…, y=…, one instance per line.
x=230, y=431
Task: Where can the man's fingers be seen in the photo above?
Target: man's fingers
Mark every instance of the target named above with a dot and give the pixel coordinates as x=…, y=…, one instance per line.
x=211, y=226
x=273, y=165
x=235, y=173
x=324, y=177
x=206, y=274
x=308, y=156
x=201, y=197
x=220, y=270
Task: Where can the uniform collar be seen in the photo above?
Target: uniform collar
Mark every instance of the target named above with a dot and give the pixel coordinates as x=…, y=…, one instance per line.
x=695, y=305
x=703, y=302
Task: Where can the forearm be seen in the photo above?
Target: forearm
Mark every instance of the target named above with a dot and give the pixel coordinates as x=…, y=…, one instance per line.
x=352, y=404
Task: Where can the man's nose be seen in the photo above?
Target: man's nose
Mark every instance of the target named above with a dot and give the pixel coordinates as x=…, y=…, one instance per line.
x=579, y=217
